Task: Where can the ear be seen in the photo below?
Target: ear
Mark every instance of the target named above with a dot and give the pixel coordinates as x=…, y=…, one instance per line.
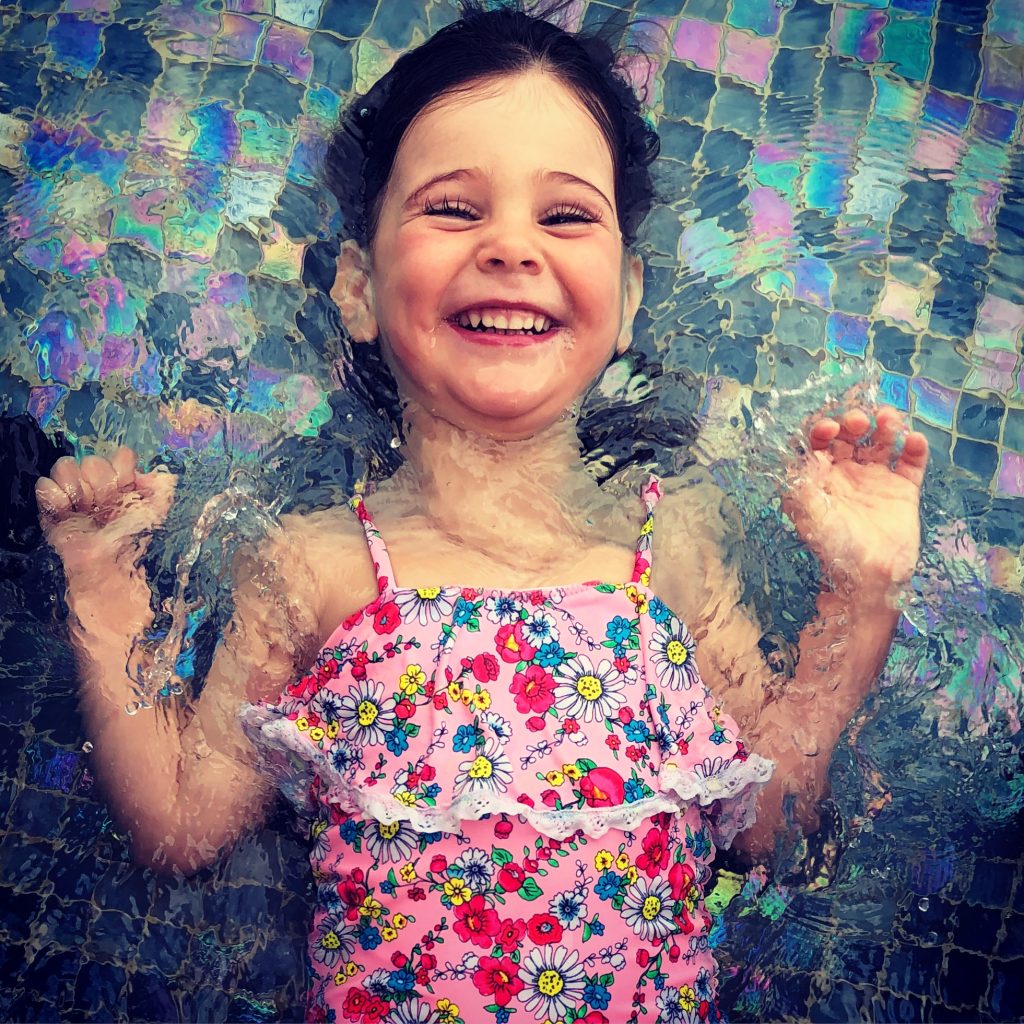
x=352, y=292
x=632, y=295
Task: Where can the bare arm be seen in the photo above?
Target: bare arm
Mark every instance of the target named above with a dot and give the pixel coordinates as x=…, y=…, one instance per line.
x=180, y=778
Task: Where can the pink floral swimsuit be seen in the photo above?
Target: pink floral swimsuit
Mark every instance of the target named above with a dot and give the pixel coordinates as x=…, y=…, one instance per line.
x=518, y=796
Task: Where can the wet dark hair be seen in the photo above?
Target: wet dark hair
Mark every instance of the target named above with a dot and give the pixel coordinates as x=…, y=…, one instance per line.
x=485, y=45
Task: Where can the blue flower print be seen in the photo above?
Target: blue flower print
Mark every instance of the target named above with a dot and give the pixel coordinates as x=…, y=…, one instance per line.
x=608, y=885
x=618, y=630
x=698, y=842
x=388, y=888
x=551, y=655
x=636, y=731
x=397, y=741
x=502, y=1016
x=369, y=938
x=466, y=739
x=658, y=610
x=634, y=791
x=349, y=830
x=597, y=926
x=463, y=611
x=402, y=981
x=597, y=996
x=718, y=736
x=432, y=791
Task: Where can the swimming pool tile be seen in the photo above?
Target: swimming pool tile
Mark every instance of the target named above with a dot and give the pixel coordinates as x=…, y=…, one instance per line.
x=857, y=33
x=759, y=16
x=906, y=44
x=976, y=457
x=956, y=65
x=305, y=13
x=1010, y=478
x=239, y=37
x=1001, y=79
x=699, y=42
x=285, y=48
x=747, y=56
x=687, y=91
x=933, y=402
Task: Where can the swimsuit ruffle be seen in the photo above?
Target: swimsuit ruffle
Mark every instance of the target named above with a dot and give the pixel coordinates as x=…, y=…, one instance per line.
x=728, y=794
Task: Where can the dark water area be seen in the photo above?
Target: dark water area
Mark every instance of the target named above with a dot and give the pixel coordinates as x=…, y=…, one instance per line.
x=846, y=186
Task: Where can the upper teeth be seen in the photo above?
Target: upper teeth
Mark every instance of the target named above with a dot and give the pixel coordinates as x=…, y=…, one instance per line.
x=504, y=320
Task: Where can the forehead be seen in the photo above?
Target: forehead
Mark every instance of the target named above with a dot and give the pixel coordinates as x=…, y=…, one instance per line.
x=531, y=116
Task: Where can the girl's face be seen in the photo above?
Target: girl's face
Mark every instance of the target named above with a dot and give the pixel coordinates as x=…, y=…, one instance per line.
x=501, y=197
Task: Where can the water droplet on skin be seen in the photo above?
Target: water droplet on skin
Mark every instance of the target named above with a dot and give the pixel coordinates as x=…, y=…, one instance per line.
x=932, y=938
x=87, y=747
x=132, y=707
x=395, y=442
x=923, y=904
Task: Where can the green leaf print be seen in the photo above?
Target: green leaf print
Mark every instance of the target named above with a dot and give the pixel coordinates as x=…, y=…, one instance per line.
x=530, y=890
x=500, y=856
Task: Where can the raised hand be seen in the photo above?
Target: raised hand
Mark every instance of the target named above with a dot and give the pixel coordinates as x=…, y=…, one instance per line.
x=96, y=513
x=855, y=493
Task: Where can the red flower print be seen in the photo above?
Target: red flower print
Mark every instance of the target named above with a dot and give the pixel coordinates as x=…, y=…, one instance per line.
x=503, y=829
x=656, y=853
x=602, y=787
x=544, y=929
x=439, y=863
x=634, y=752
x=626, y=715
x=399, y=959
x=476, y=922
x=530, y=864
x=352, y=621
x=359, y=663
x=441, y=700
x=351, y=893
x=570, y=726
x=485, y=667
x=387, y=618
x=427, y=772
x=511, y=878
x=549, y=797
x=621, y=664
x=525, y=798
x=498, y=977
x=375, y=1011
x=534, y=690
x=643, y=958
x=535, y=724
x=355, y=1004
x=741, y=752
x=612, y=742
x=428, y=688
x=594, y=1017
x=511, y=645
x=510, y=934
x=404, y=709
x=428, y=961
x=469, y=593
x=416, y=894
x=680, y=880
x=536, y=597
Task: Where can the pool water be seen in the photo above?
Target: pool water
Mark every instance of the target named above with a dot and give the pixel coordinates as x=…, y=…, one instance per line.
x=844, y=187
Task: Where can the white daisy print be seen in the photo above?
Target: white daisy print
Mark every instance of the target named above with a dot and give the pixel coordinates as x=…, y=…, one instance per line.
x=503, y=610
x=540, y=628
x=648, y=908
x=673, y=649
x=553, y=982
x=488, y=772
x=500, y=728
x=390, y=841
x=570, y=907
x=366, y=715
x=412, y=1011
x=426, y=604
x=475, y=868
x=588, y=693
x=334, y=941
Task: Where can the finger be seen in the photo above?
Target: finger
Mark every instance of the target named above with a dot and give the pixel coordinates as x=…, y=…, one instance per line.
x=823, y=433
x=913, y=460
x=67, y=474
x=853, y=426
x=158, y=486
x=98, y=475
x=52, y=499
x=125, y=463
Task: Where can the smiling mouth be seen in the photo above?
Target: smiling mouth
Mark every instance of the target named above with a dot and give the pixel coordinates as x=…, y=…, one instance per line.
x=508, y=338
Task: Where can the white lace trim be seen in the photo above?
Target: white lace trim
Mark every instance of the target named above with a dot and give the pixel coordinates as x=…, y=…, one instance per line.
x=738, y=785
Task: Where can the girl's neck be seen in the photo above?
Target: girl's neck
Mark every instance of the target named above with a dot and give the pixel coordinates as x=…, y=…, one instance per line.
x=535, y=491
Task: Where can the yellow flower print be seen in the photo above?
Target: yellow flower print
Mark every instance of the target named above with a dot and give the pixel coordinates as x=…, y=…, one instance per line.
x=408, y=873
x=455, y=690
x=467, y=698
x=340, y=979
x=572, y=772
x=622, y=861
x=316, y=734
x=632, y=874
x=411, y=681
x=648, y=527
x=481, y=700
x=555, y=777
x=388, y=934
x=403, y=796
x=687, y=998
x=457, y=892
x=399, y=921
x=645, y=579
x=371, y=908
x=302, y=724
x=351, y=969
x=603, y=860
x=447, y=1012
x=332, y=730
x=638, y=599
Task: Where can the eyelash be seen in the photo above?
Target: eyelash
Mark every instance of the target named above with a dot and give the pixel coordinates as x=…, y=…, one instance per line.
x=579, y=214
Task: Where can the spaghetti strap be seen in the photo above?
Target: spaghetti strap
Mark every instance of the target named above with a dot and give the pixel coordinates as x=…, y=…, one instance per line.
x=375, y=542
x=650, y=494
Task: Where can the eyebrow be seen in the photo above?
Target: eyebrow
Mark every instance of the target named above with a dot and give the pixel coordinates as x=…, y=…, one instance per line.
x=563, y=177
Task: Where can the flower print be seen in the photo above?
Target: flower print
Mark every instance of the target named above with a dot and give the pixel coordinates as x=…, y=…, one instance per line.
x=672, y=653
x=647, y=908
x=710, y=766
x=412, y=680
x=510, y=934
x=366, y=714
x=425, y=604
x=619, y=630
x=597, y=996
x=586, y=692
x=603, y=860
x=467, y=737
x=485, y=668
x=570, y=908
x=464, y=611
x=608, y=885
x=681, y=881
x=475, y=866
x=553, y=982
x=671, y=1006
x=326, y=705
x=346, y=758
x=636, y=731
x=499, y=727
x=634, y=791
x=503, y=610
x=512, y=645
x=476, y=922
x=698, y=843
x=602, y=787
x=656, y=852
x=489, y=772
x=544, y=929
x=397, y=741
x=387, y=618
x=456, y=892
x=447, y=1012
x=534, y=690
x=411, y=1011
x=550, y=655
x=390, y=841
x=702, y=984
x=334, y=941
x=658, y=610
x=540, y=628
x=498, y=977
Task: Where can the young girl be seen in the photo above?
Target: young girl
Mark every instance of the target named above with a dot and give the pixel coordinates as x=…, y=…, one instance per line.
x=520, y=760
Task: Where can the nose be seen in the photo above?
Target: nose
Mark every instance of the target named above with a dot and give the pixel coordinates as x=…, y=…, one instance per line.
x=510, y=244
